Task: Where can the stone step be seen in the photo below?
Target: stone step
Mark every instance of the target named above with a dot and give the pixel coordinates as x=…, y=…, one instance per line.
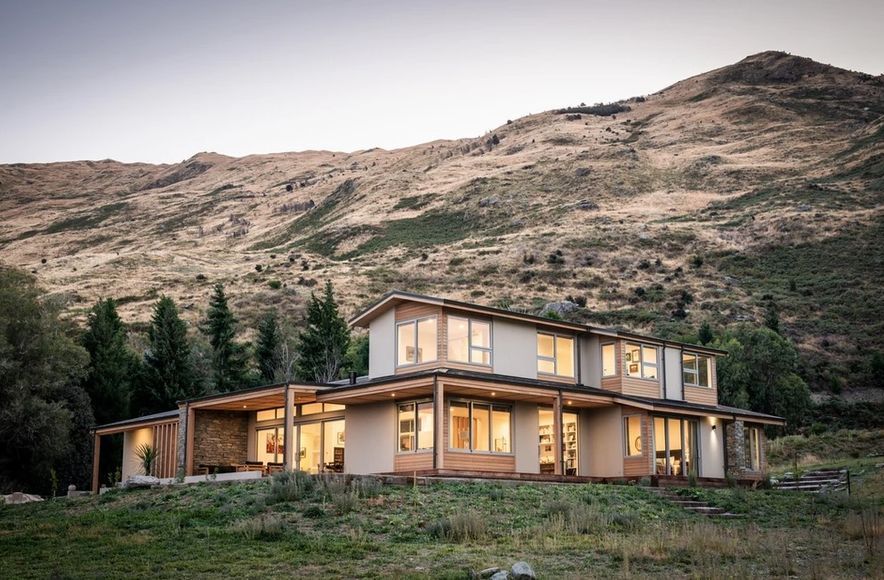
x=706, y=510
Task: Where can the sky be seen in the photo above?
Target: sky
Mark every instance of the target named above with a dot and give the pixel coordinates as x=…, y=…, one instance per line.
x=159, y=81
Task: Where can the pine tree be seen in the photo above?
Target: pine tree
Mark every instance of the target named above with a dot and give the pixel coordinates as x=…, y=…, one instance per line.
x=705, y=334
x=772, y=317
x=228, y=358
x=112, y=366
x=323, y=345
x=267, y=346
x=169, y=375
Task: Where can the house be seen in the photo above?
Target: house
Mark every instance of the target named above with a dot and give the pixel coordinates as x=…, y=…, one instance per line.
x=461, y=389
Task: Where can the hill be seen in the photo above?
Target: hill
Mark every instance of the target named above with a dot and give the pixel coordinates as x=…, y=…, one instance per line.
x=329, y=528
x=757, y=183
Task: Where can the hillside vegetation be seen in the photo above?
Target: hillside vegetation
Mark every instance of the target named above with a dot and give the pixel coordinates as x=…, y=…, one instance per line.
x=324, y=527
x=753, y=186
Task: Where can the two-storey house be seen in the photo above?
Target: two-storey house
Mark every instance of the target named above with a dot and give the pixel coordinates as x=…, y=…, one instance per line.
x=461, y=389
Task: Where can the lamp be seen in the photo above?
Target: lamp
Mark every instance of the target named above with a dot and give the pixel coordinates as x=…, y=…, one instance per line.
x=714, y=427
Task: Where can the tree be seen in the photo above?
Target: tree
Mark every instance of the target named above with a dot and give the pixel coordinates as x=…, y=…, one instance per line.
x=357, y=355
x=323, y=345
x=112, y=366
x=168, y=369
x=267, y=346
x=705, y=334
x=760, y=373
x=772, y=317
x=45, y=416
x=228, y=357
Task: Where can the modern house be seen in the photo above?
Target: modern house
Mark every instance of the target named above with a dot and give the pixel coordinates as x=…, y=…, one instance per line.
x=461, y=389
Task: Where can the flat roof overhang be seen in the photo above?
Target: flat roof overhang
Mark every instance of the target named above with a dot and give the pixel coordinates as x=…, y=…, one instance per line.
x=137, y=423
x=257, y=399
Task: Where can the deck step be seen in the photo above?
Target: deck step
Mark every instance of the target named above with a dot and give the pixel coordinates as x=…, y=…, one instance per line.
x=816, y=481
x=691, y=505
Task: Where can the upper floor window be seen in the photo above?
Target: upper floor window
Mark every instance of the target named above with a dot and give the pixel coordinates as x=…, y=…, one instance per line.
x=479, y=426
x=641, y=361
x=469, y=341
x=416, y=341
x=555, y=354
x=695, y=370
x=609, y=360
x=415, y=426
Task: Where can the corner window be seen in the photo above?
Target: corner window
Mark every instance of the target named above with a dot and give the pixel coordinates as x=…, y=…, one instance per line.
x=632, y=435
x=695, y=370
x=752, y=442
x=555, y=354
x=416, y=341
x=415, y=426
x=609, y=360
x=641, y=361
x=478, y=426
x=469, y=341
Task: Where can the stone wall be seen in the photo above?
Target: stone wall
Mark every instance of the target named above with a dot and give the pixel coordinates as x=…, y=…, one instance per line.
x=220, y=438
x=735, y=438
x=182, y=438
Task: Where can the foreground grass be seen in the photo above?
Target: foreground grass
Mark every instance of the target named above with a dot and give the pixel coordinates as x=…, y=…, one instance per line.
x=330, y=529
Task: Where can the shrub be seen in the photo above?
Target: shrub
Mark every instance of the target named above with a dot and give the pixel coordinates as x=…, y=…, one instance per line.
x=368, y=486
x=346, y=502
x=275, y=284
x=495, y=494
x=332, y=485
x=263, y=527
x=314, y=512
x=461, y=527
x=290, y=486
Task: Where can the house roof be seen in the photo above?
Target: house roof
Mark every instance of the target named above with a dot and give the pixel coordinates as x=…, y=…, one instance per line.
x=395, y=297
x=154, y=417
x=307, y=385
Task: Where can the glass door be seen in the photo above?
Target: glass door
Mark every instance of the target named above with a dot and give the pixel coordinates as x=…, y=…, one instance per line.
x=570, y=441
x=547, y=451
x=333, y=446
x=675, y=446
x=569, y=445
x=271, y=445
x=309, y=450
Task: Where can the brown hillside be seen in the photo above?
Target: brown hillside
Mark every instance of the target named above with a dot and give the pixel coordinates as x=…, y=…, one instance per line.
x=757, y=182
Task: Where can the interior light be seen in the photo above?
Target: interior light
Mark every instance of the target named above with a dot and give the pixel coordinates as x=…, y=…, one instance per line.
x=714, y=427
x=493, y=394
x=245, y=406
x=570, y=402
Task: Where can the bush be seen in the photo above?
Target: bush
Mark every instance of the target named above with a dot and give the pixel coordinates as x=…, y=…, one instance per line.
x=275, y=284
x=368, y=486
x=345, y=502
x=314, y=512
x=461, y=527
x=263, y=527
x=290, y=486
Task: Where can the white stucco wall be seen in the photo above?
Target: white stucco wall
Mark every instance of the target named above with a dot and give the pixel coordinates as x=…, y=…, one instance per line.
x=590, y=361
x=601, y=442
x=525, y=439
x=515, y=348
x=674, y=386
x=711, y=448
x=371, y=438
x=381, y=344
x=131, y=441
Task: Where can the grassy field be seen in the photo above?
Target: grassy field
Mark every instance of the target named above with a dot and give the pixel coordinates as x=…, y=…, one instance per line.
x=325, y=527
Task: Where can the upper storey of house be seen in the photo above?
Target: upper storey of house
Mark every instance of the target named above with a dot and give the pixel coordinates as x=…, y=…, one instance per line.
x=409, y=333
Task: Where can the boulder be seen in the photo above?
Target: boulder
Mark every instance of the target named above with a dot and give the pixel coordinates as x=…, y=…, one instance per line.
x=489, y=572
x=501, y=575
x=17, y=497
x=142, y=481
x=561, y=308
x=523, y=571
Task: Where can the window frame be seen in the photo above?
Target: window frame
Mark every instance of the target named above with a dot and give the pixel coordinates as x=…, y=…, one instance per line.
x=416, y=323
x=641, y=435
x=555, y=357
x=415, y=417
x=753, y=459
x=470, y=347
x=641, y=362
x=696, y=371
x=492, y=406
x=602, y=353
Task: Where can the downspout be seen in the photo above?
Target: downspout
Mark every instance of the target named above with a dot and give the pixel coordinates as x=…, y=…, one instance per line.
x=665, y=392
x=579, y=366
x=436, y=436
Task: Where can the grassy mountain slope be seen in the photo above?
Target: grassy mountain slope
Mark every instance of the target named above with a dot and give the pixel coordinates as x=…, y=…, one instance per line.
x=759, y=181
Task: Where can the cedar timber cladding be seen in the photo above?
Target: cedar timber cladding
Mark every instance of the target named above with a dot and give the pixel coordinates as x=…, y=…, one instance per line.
x=165, y=441
x=414, y=461
x=639, y=465
x=704, y=395
x=627, y=385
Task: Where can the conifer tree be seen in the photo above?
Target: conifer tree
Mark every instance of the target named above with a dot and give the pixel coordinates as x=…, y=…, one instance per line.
x=112, y=366
x=323, y=345
x=169, y=375
x=705, y=334
x=228, y=357
x=267, y=346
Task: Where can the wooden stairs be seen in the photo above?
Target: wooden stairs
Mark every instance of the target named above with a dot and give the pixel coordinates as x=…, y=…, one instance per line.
x=816, y=481
x=692, y=505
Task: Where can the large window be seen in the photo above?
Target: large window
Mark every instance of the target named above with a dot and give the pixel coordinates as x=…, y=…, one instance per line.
x=632, y=433
x=675, y=446
x=469, y=341
x=695, y=370
x=609, y=360
x=478, y=426
x=641, y=361
x=555, y=354
x=752, y=441
x=416, y=341
x=415, y=426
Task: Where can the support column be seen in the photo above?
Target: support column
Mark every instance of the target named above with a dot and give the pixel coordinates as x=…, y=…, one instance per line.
x=438, y=424
x=188, y=445
x=289, y=439
x=96, y=460
x=557, y=433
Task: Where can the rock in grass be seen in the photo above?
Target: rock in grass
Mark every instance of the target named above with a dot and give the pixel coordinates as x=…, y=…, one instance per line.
x=523, y=571
x=501, y=575
x=142, y=481
x=489, y=572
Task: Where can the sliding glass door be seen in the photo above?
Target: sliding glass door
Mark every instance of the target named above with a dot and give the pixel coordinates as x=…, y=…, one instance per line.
x=675, y=446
